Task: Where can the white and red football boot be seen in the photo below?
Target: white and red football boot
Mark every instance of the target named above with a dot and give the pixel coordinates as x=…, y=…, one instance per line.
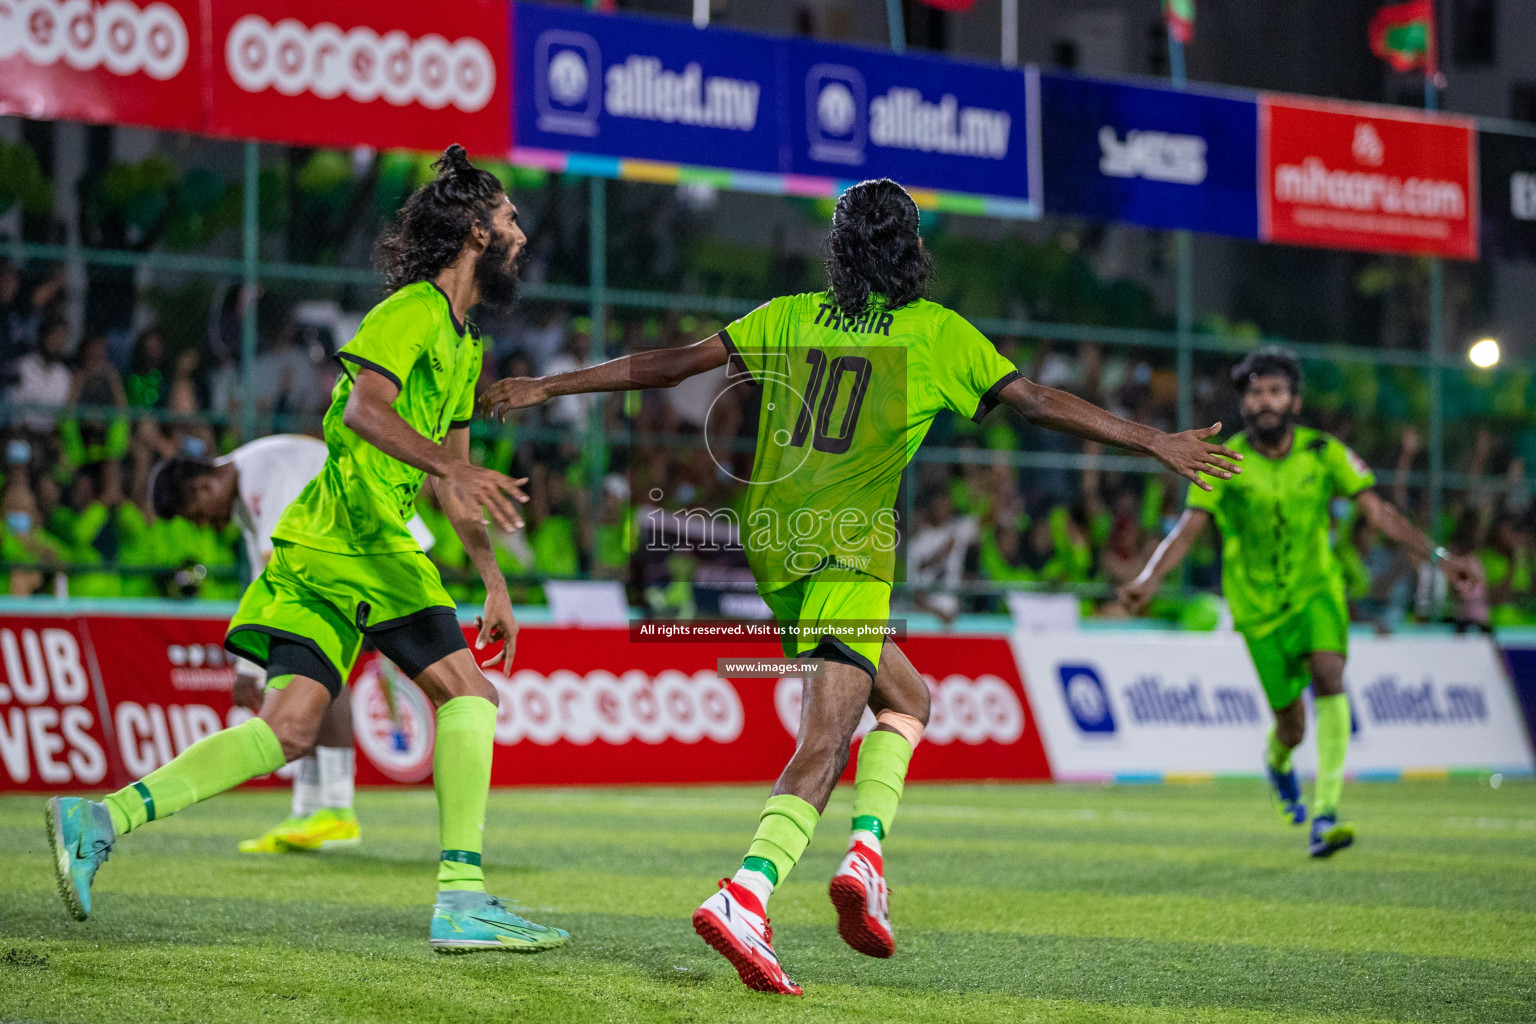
x=863, y=902
x=733, y=922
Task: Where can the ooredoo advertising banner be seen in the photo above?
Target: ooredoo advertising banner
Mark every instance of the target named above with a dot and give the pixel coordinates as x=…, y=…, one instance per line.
x=129, y=61
x=1159, y=705
x=1161, y=157
x=97, y=701
x=351, y=73
x=1346, y=176
x=645, y=89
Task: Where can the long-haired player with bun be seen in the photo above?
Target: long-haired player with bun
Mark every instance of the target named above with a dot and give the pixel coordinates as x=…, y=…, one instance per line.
x=345, y=564
x=851, y=379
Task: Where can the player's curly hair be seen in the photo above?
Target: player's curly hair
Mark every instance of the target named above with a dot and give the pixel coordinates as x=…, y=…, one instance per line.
x=170, y=483
x=432, y=225
x=874, y=248
x=1269, y=361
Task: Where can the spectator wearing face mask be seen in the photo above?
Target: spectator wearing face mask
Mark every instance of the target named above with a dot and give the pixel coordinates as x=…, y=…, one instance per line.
x=26, y=552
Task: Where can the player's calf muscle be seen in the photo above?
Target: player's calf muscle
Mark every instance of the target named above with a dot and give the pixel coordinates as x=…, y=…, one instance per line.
x=456, y=675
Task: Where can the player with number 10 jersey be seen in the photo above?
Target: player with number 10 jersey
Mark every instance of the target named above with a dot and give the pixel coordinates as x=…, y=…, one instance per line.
x=851, y=380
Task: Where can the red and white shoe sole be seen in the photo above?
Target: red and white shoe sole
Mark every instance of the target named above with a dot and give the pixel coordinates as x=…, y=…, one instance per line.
x=752, y=973
x=861, y=931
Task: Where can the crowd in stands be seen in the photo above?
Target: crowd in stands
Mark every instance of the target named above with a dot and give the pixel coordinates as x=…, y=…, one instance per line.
x=991, y=507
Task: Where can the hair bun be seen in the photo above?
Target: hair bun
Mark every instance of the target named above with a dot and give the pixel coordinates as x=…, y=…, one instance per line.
x=454, y=160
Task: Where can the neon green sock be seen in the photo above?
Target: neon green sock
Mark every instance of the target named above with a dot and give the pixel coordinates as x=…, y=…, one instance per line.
x=1332, y=744
x=784, y=830
x=879, y=780
x=461, y=773
x=206, y=768
x=1277, y=755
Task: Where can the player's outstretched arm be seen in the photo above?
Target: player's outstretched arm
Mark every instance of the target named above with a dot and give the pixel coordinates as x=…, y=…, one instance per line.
x=370, y=414
x=1462, y=570
x=1135, y=594
x=1187, y=453
x=654, y=368
x=497, y=622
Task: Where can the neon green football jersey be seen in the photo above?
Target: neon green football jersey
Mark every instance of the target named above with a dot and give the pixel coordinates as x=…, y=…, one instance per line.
x=362, y=499
x=846, y=401
x=1274, y=522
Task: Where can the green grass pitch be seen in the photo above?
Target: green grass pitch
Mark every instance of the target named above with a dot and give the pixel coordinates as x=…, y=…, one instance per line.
x=1167, y=904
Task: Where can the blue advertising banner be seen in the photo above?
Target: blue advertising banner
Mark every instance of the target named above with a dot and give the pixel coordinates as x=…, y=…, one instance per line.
x=644, y=89
x=927, y=123
x=1159, y=157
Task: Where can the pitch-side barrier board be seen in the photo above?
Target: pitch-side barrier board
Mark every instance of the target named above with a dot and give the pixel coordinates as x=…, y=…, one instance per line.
x=95, y=700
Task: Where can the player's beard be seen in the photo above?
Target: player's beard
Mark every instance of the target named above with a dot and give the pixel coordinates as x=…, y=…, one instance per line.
x=1265, y=434
x=497, y=277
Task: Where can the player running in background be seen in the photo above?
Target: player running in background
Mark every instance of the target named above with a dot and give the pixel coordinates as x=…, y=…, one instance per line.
x=251, y=486
x=1282, y=579
x=851, y=379
x=345, y=565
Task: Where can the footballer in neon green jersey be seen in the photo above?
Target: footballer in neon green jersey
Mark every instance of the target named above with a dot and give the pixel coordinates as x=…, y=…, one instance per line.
x=1282, y=579
x=850, y=378
x=345, y=565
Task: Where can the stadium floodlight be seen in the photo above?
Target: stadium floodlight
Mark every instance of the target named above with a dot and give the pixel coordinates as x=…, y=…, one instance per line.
x=1484, y=353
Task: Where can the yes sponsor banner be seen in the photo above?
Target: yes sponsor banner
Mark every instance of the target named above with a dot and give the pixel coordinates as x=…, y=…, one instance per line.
x=1347, y=176
x=131, y=61
x=1508, y=170
x=854, y=114
x=1160, y=705
x=644, y=89
x=96, y=701
x=1160, y=157
x=351, y=73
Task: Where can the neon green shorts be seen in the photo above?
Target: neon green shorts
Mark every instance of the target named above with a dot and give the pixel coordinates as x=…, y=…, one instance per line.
x=326, y=601
x=1280, y=656
x=828, y=607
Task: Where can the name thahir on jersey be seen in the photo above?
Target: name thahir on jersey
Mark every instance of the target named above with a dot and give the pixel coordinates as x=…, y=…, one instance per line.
x=870, y=322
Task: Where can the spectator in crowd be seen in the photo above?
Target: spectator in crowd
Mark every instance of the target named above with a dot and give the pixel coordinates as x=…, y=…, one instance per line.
x=936, y=557
x=92, y=437
x=25, y=547
x=570, y=412
x=43, y=383
x=148, y=371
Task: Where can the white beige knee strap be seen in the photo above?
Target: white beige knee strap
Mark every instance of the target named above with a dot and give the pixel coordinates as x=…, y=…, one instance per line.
x=909, y=728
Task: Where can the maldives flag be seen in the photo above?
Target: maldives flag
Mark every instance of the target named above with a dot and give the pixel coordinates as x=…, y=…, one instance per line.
x=1403, y=35
x=1179, y=16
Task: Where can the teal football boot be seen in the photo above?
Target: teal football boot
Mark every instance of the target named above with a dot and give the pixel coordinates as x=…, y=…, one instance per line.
x=1330, y=835
x=466, y=922
x=81, y=835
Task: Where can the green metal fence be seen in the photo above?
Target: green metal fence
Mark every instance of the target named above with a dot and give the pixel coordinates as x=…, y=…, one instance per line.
x=601, y=299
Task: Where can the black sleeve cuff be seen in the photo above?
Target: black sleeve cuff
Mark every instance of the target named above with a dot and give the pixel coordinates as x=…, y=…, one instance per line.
x=461, y=424
x=345, y=357
x=993, y=396
x=735, y=354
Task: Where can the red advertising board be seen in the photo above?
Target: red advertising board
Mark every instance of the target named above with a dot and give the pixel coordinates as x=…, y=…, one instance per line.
x=96, y=701
x=352, y=72
x=129, y=61
x=1346, y=176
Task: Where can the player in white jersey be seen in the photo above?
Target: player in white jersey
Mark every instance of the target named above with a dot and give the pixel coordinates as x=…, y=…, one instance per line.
x=251, y=486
